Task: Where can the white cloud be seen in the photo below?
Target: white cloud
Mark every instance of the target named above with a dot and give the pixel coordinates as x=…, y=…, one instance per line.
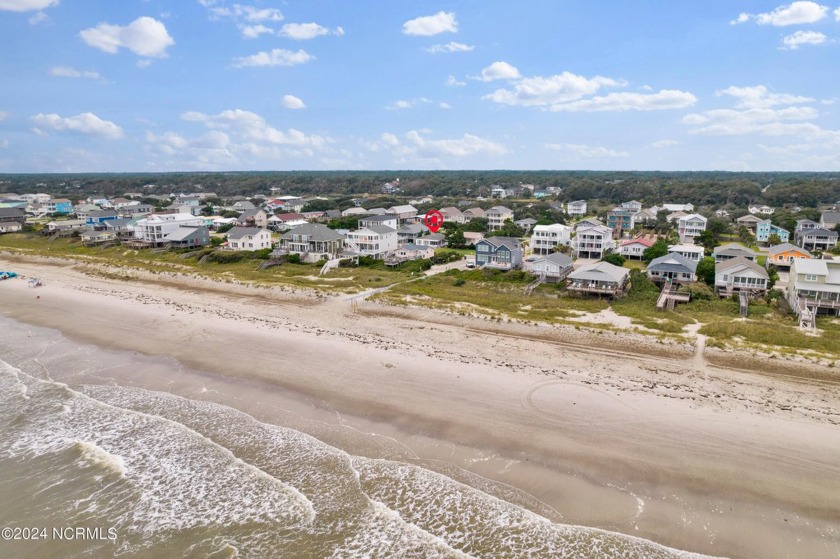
x=765, y=121
x=145, y=36
x=626, y=101
x=837, y=14
x=243, y=12
x=796, y=40
x=758, y=96
x=407, y=103
x=68, y=72
x=275, y=57
x=210, y=149
x=305, y=31
x=444, y=105
x=441, y=22
x=292, y=102
x=254, y=128
x=499, y=70
x=540, y=91
x=451, y=46
x=254, y=31
x=665, y=143
x=143, y=63
x=796, y=13
x=3, y=116
x=583, y=151
x=26, y=5
x=40, y=17
x=86, y=123
x=414, y=147
x=452, y=81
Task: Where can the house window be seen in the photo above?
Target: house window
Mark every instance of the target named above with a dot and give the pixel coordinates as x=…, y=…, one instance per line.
x=810, y=277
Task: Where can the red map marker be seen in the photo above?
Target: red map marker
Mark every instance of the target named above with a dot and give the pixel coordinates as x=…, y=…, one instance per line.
x=433, y=220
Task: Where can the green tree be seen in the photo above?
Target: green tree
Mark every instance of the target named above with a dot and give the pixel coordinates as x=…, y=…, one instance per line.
x=774, y=277
x=707, y=240
x=320, y=206
x=774, y=239
x=456, y=239
x=346, y=222
x=706, y=270
x=509, y=229
x=614, y=258
x=659, y=248
x=718, y=226
x=207, y=210
x=477, y=225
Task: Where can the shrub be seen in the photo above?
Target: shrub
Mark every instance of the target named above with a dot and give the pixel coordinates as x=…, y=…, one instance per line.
x=367, y=261
x=293, y=259
x=321, y=263
x=459, y=282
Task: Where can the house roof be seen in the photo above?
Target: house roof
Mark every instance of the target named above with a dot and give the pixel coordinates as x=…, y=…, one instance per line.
x=414, y=248
x=552, y=227
x=402, y=209
x=785, y=247
x=250, y=212
x=558, y=258
x=819, y=232
x=602, y=271
x=733, y=249
x=692, y=217
x=685, y=248
x=476, y=212
x=673, y=263
x=644, y=242
x=379, y=218
x=315, y=232
x=186, y=233
x=435, y=237
x=239, y=232
x=509, y=242
x=594, y=221
x=830, y=217
x=289, y=217
x=450, y=210
x=500, y=210
x=811, y=266
x=114, y=223
x=12, y=212
x=528, y=220
x=412, y=228
x=91, y=233
x=740, y=263
x=102, y=213
x=381, y=229
x=578, y=203
x=243, y=205
x=748, y=218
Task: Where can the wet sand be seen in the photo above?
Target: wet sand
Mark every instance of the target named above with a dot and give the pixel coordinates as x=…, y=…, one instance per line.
x=608, y=430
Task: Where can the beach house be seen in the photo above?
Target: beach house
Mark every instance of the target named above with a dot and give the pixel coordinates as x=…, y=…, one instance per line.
x=634, y=248
x=740, y=274
x=551, y=267
x=472, y=213
x=435, y=240
x=375, y=241
x=96, y=218
x=254, y=217
x=816, y=239
x=729, y=251
x=313, y=242
x=248, y=238
x=453, y=214
x=621, y=219
x=748, y=221
x=829, y=220
x=59, y=206
x=815, y=284
x=188, y=237
x=592, y=241
x=153, y=229
x=545, y=238
x=674, y=267
x=502, y=253
x=782, y=255
x=765, y=229
x=690, y=226
x=405, y=213
x=389, y=220
x=496, y=217
x=602, y=278
x=578, y=207
x=692, y=252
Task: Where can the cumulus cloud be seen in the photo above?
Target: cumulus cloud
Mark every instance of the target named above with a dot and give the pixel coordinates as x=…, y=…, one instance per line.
x=626, y=101
x=252, y=127
x=444, y=105
x=40, y=17
x=274, y=57
x=451, y=46
x=244, y=12
x=540, y=91
x=85, y=123
x=211, y=149
x=499, y=70
x=254, y=31
x=837, y=14
x=145, y=36
x=796, y=13
x=408, y=103
x=26, y=5
x=68, y=72
x=583, y=151
x=414, y=147
x=305, y=31
x=292, y=102
x=796, y=40
x=659, y=144
x=441, y=22
x=759, y=96
x=452, y=81
x=765, y=121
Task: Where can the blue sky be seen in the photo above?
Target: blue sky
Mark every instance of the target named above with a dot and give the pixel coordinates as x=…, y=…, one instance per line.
x=188, y=85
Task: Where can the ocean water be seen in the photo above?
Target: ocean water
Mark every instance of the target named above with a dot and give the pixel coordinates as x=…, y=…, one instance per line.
x=154, y=474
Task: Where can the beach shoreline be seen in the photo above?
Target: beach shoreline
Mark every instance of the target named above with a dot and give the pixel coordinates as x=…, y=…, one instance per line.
x=725, y=461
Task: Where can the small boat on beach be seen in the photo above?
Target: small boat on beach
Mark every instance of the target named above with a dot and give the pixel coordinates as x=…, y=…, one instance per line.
x=7, y=275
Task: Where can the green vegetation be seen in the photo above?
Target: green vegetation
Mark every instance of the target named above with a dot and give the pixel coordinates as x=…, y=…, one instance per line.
x=614, y=258
x=657, y=249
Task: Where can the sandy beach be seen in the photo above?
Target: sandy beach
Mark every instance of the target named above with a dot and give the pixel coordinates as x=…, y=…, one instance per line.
x=711, y=452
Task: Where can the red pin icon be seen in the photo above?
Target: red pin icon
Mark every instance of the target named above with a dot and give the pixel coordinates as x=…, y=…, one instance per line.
x=433, y=220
